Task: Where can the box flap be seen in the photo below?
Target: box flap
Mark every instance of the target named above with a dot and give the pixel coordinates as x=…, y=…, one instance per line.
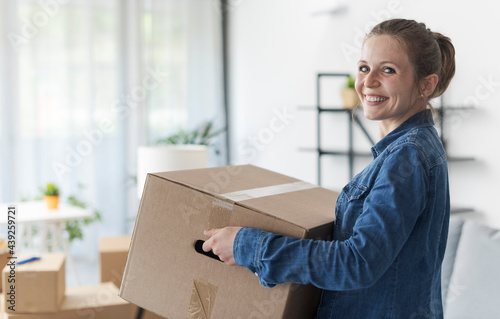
x=311, y=207
x=262, y=190
x=114, y=244
x=226, y=179
x=47, y=262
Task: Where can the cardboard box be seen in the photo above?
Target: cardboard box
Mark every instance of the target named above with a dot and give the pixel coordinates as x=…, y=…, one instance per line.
x=113, y=253
x=165, y=274
x=39, y=285
x=98, y=302
x=3, y=262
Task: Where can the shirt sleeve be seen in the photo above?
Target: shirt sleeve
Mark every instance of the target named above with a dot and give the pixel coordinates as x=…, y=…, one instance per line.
x=390, y=210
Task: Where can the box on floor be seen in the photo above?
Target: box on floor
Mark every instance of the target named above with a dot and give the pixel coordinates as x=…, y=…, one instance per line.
x=113, y=252
x=166, y=275
x=97, y=302
x=3, y=262
x=36, y=286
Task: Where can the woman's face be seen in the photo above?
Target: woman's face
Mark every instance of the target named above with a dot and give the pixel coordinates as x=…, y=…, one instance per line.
x=385, y=82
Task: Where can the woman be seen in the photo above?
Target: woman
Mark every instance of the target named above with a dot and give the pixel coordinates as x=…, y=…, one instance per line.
x=392, y=219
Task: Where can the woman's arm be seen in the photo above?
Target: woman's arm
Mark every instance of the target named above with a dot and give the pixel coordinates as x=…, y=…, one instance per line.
x=390, y=211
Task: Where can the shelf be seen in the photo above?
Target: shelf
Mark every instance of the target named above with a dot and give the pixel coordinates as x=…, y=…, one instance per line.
x=460, y=159
x=352, y=119
x=459, y=210
x=454, y=108
x=333, y=152
x=333, y=74
x=333, y=109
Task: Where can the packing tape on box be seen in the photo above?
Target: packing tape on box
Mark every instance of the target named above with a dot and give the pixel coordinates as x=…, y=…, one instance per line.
x=268, y=191
x=220, y=214
x=202, y=299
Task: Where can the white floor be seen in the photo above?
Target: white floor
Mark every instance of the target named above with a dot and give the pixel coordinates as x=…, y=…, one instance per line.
x=87, y=270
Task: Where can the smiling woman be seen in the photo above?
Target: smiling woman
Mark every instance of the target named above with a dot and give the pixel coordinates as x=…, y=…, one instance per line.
x=403, y=65
x=386, y=86
x=391, y=220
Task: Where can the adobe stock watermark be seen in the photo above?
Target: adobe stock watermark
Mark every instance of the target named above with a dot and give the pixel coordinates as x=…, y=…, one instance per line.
x=352, y=51
x=94, y=304
x=121, y=109
x=250, y=147
x=483, y=91
x=218, y=181
x=30, y=27
x=266, y=308
x=455, y=289
x=436, y=306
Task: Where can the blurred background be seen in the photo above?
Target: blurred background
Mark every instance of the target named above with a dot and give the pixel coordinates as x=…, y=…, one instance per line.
x=86, y=83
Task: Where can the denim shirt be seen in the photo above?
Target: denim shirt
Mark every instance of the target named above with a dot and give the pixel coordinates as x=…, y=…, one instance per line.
x=389, y=235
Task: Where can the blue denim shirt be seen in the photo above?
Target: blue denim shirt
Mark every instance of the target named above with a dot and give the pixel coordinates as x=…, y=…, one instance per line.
x=389, y=236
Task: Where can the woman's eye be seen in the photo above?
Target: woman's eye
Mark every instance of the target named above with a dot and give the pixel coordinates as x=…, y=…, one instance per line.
x=389, y=70
x=363, y=68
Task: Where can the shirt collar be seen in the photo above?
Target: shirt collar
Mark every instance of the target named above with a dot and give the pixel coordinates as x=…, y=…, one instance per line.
x=420, y=119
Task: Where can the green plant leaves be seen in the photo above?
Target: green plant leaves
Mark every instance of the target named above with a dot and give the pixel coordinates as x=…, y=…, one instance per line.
x=201, y=136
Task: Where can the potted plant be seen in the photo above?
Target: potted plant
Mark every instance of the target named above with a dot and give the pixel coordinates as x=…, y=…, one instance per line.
x=181, y=150
x=349, y=94
x=200, y=136
x=51, y=195
x=72, y=227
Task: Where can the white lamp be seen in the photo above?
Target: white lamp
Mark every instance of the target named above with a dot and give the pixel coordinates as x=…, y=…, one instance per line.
x=162, y=158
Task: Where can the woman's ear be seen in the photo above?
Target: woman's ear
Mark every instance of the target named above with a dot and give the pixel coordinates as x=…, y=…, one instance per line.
x=428, y=84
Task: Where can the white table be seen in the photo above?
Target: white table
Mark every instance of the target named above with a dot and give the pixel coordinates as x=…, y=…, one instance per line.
x=36, y=213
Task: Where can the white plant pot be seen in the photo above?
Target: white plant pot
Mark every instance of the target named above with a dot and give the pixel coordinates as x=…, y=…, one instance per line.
x=162, y=158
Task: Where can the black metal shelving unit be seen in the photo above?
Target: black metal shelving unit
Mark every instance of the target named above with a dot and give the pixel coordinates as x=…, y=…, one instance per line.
x=442, y=111
x=352, y=118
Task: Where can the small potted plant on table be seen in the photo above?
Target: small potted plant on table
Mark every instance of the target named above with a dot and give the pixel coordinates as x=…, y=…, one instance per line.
x=51, y=195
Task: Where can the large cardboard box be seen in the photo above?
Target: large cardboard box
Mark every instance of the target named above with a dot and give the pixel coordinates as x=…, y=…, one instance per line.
x=39, y=285
x=97, y=302
x=165, y=274
x=113, y=252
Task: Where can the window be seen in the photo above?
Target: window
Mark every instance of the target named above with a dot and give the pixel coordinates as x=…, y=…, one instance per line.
x=87, y=81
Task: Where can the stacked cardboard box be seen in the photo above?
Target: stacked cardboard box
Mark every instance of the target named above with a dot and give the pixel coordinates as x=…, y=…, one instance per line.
x=164, y=272
x=36, y=286
x=36, y=290
x=98, y=302
x=113, y=252
x=3, y=261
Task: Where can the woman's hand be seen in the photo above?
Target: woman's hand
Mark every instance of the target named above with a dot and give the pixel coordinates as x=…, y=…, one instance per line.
x=220, y=242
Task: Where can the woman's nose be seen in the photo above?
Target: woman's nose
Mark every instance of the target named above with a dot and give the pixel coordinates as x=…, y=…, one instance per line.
x=371, y=80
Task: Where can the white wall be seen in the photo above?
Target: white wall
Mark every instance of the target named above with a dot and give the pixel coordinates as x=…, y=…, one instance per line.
x=277, y=47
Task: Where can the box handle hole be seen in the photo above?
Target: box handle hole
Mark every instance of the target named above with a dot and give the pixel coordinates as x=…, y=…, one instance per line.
x=198, y=246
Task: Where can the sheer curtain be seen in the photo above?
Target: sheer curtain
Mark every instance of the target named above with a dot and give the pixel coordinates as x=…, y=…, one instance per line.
x=85, y=82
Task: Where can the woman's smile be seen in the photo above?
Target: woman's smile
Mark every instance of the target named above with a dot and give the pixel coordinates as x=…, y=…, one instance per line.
x=373, y=99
